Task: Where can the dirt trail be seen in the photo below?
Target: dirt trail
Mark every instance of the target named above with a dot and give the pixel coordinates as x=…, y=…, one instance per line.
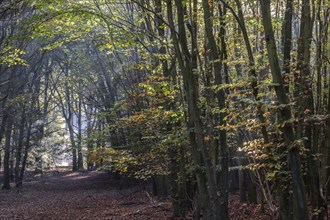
x=76, y=195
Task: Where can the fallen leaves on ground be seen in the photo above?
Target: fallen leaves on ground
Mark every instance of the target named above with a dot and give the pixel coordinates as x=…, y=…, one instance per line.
x=94, y=195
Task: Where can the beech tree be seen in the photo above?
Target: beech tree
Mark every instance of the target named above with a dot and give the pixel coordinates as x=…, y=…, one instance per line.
x=199, y=97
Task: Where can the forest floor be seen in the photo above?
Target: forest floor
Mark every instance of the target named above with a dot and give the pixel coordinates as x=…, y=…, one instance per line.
x=93, y=195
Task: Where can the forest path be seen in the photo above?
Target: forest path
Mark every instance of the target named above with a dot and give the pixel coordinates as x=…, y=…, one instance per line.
x=79, y=195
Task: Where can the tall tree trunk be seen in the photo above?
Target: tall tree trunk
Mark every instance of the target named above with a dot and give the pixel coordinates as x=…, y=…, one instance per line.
x=18, y=153
x=252, y=70
x=73, y=146
x=177, y=171
x=79, y=148
x=6, y=161
x=306, y=106
x=287, y=40
x=285, y=197
x=26, y=152
x=189, y=78
x=89, y=128
x=301, y=211
x=221, y=201
x=67, y=114
x=2, y=133
x=327, y=144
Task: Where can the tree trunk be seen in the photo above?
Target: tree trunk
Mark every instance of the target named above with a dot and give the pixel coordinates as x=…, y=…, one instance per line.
x=242, y=176
x=18, y=153
x=220, y=201
x=26, y=152
x=190, y=87
x=285, y=114
x=287, y=40
x=79, y=148
x=73, y=146
x=306, y=106
x=6, y=161
x=89, y=128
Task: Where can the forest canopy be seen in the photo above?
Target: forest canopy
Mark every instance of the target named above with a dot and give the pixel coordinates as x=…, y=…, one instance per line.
x=202, y=97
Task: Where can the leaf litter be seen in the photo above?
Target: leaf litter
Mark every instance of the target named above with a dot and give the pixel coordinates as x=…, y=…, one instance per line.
x=95, y=195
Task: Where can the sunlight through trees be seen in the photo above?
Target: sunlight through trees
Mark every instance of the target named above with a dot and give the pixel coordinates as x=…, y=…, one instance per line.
x=203, y=98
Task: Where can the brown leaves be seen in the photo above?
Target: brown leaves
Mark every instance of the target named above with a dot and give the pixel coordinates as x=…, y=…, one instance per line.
x=95, y=195
x=80, y=196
